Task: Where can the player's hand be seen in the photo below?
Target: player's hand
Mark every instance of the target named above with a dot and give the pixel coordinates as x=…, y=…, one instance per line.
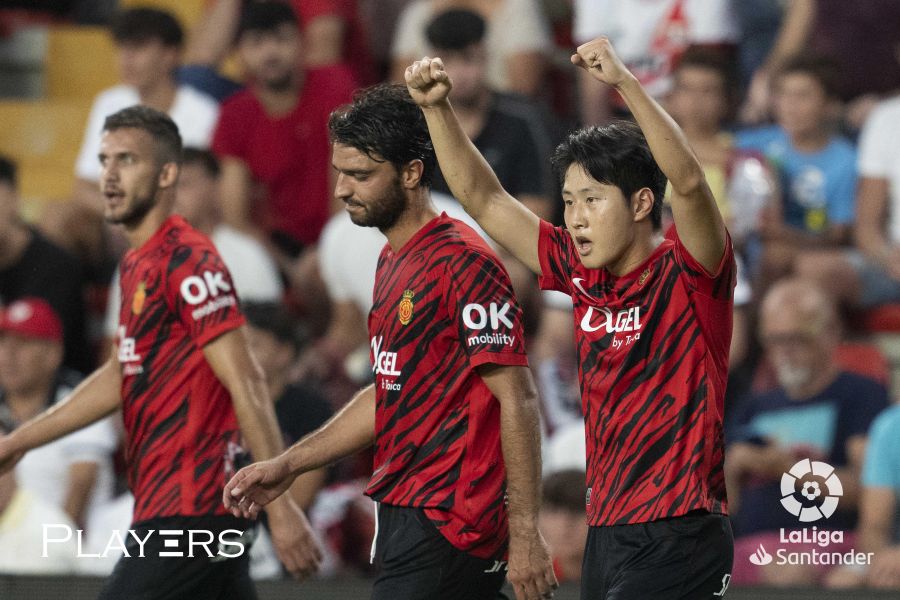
x=293, y=538
x=427, y=81
x=9, y=456
x=530, y=569
x=255, y=486
x=599, y=59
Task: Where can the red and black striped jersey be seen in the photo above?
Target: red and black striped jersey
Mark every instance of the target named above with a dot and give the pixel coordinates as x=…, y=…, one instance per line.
x=443, y=305
x=653, y=355
x=182, y=432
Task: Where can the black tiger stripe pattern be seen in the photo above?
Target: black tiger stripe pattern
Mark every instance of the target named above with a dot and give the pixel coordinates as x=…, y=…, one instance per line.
x=443, y=305
x=653, y=352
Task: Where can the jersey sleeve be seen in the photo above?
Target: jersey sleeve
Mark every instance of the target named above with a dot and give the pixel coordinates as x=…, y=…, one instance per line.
x=484, y=310
x=557, y=255
x=201, y=293
x=718, y=285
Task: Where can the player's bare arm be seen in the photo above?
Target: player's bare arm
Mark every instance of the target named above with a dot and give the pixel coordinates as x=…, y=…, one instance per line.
x=96, y=397
x=467, y=173
x=530, y=567
x=230, y=358
x=700, y=226
x=349, y=431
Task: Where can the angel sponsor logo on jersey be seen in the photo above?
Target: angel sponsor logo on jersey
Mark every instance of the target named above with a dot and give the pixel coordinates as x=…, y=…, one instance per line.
x=127, y=354
x=385, y=364
x=139, y=298
x=625, y=324
x=212, y=288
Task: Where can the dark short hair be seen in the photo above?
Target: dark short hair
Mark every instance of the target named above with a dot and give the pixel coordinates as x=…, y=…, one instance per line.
x=158, y=124
x=455, y=29
x=140, y=25
x=565, y=489
x=265, y=17
x=9, y=172
x=715, y=59
x=821, y=68
x=385, y=124
x=615, y=154
x=202, y=158
x=274, y=318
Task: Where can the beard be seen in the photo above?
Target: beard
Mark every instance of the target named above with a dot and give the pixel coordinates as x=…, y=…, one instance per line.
x=792, y=378
x=136, y=211
x=385, y=212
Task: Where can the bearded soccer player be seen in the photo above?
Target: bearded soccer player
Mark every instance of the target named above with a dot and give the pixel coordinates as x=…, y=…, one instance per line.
x=652, y=322
x=189, y=389
x=453, y=411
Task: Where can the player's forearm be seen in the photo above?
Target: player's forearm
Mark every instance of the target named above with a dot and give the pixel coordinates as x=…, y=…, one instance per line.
x=520, y=439
x=667, y=142
x=465, y=170
x=96, y=397
x=349, y=431
x=256, y=418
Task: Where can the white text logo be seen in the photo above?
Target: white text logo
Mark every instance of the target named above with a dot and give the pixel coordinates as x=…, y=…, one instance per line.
x=476, y=317
x=385, y=363
x=195, y=290
x=198, y=540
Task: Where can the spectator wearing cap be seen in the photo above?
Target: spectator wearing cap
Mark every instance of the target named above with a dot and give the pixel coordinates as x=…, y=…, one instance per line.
x=75, y=472
x=23, y=516
x=31, y=265
x=148, y=47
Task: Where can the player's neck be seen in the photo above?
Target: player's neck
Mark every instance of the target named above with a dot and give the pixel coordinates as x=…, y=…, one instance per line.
x=149, y=225
x=635, y=254
x=419, y=213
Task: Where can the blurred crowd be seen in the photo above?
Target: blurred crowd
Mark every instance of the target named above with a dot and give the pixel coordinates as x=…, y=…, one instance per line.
x=787, y=103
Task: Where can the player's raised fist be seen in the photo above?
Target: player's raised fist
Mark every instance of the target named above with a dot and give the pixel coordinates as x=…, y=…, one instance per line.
x=600, y=60
x=428, y=82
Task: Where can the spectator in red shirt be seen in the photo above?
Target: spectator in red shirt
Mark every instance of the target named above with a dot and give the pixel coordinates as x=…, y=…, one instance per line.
x=272, y=137
x=333, y=33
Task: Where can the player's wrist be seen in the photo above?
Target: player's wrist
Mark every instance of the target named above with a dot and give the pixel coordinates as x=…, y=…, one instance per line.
x=437, y=106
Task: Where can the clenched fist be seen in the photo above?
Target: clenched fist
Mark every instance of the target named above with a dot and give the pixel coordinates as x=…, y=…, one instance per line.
x=428, y=82
x=599, y=59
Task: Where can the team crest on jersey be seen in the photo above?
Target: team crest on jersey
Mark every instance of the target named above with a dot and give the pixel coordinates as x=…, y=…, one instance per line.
x=140, y=296
x=405, y=310
x=644, y=276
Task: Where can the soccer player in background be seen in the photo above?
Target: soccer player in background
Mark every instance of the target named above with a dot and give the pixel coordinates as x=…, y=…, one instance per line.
x=182, y=373
x=453, y=412
x=652, y=323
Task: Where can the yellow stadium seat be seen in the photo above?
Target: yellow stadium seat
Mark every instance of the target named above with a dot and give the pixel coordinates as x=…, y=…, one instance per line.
x=81, y=61
x=188, y=12
x=44, y=138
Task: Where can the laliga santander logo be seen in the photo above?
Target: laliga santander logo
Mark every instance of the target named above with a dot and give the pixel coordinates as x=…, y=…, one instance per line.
x=818, y=486
x=761, y=557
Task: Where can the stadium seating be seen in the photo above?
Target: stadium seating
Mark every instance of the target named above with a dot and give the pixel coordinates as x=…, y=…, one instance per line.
x=44, y=137
x=80, y=62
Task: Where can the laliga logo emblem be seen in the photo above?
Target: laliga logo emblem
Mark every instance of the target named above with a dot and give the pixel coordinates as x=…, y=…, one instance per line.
x=818, y=486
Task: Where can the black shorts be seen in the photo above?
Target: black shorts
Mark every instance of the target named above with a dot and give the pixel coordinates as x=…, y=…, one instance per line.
x=687, y=557
x=418, y=563
x=224, y=576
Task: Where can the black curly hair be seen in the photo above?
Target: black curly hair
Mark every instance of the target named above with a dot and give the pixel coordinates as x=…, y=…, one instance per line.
x=385, y=124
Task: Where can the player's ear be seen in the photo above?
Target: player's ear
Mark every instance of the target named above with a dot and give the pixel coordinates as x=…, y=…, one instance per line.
x=642, y=204
x=411, y=174
x=168, y=175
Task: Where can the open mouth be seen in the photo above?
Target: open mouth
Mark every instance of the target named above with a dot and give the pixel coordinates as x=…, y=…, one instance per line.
x=113, y=196
x=583, y=245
